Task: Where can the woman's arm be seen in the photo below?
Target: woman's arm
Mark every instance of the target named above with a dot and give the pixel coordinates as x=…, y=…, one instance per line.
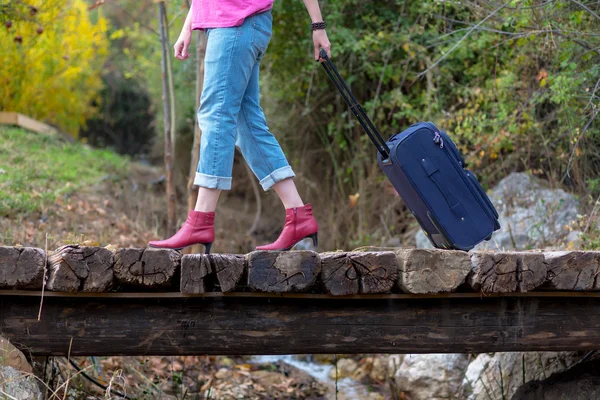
x=183, y=42
x=319, y=36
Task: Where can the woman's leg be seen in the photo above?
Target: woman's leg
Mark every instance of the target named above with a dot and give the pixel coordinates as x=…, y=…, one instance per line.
x=261, y=149
x=228, y=65
x=266, y=158
x=207, y=199
x=288, y=193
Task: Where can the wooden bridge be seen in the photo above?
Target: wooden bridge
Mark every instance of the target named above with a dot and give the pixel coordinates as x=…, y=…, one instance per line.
x=93, y=301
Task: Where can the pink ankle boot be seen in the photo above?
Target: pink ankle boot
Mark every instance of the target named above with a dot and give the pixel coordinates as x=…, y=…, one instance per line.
x=198, y=229
x=299, y=224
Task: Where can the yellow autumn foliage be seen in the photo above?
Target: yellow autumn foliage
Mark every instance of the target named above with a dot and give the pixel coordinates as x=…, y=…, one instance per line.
x=50, y=65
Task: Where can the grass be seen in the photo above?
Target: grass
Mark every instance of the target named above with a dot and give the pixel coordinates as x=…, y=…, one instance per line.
x=36, y=169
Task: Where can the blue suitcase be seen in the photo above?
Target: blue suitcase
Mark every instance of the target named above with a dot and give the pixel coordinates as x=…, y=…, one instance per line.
x=428, y=172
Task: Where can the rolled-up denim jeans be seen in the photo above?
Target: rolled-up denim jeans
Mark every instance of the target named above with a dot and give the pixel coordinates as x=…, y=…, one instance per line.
x=230, y=114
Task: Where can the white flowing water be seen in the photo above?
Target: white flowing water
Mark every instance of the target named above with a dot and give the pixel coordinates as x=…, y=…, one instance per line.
x=348, y=389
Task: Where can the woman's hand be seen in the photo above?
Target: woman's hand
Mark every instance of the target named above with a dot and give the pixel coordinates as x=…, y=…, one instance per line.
x=321, y=42
x=182, y=44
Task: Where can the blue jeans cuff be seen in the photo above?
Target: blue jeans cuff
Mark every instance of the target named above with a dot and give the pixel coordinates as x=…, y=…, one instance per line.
x=278, y=175
x=212, y=182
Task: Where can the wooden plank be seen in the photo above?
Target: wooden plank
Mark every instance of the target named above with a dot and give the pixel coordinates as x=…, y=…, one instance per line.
x=13, y=118
x=9, y=118
x=431, y=271
x=282, y=271
x=230, y=270
x=195, y=269
x=21, y=267
x=73, y=268
x=507, y=272
x=383, y=296
x=150, y=268
x=572, y=270
x=236, y=326
x=358, y=272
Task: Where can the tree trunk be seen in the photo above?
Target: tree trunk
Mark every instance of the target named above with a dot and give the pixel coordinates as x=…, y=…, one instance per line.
x=192, y=190
x=168, y=117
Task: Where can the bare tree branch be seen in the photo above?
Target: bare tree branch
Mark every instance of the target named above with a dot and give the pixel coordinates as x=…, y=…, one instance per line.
x=585, y=128
x=463, y=38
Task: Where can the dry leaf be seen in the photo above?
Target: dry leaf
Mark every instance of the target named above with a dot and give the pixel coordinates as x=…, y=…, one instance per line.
x=353, y=199
x=111, y=247
x=543, y=74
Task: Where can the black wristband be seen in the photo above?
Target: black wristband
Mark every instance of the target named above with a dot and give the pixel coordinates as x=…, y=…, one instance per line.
x=318, y=25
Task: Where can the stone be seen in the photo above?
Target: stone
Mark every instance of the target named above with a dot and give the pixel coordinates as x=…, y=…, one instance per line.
x=531, y=215
x=346, y=367
x=431, y=376
x=394, y=363
x=581, y=382
x=373, y=368
x=223, y=373
x=10, y=356
x=268, y=378
x=16, y=385
x=501, y=374
x=424, y=271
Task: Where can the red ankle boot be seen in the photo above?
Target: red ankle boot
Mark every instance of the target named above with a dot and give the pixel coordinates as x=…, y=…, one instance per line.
x=299, y=224
x=199, y=228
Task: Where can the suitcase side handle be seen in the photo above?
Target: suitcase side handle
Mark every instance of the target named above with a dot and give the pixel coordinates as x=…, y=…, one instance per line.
x=356, y=108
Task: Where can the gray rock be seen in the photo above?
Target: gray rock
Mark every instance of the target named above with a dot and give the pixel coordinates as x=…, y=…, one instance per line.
x=10, y=356
x=531, y=215
x=18, y=385
x=498, y=376
x=422, y=241
x=431, y=376
x=581, y=382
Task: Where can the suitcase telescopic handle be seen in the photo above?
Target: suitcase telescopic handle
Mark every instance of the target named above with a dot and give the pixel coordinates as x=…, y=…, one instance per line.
x=355, y=107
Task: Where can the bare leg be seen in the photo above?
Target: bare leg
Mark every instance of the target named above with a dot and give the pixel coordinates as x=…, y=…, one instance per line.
x=287, y=192
x=207, y=199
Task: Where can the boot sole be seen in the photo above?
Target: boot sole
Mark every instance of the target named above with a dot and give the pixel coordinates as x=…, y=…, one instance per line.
x=314, y=238
x=207, y=247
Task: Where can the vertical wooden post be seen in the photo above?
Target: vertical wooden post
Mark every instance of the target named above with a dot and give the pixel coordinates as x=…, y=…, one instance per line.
x=168, y=117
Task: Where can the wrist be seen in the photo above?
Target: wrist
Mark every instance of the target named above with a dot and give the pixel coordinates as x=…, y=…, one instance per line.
x=318, y=25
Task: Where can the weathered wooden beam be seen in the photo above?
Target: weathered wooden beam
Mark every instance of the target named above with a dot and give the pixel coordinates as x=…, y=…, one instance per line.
x=73, y=268
x=282, y=272
x=195, y=269
x=507, y=272
x=230, y=270
x=236, y=326
x=21, y=267
x=432, y=271
x=572, y=270
x=358, y=272
x=146, y=267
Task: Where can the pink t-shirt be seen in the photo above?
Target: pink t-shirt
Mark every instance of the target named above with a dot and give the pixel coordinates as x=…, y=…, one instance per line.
x=225, y=13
